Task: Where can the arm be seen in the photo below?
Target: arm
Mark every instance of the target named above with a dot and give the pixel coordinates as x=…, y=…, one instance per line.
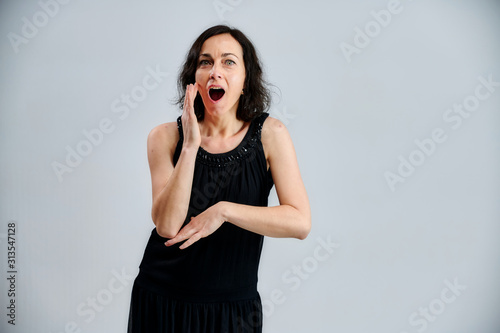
x=292, y=218
x=172, y=185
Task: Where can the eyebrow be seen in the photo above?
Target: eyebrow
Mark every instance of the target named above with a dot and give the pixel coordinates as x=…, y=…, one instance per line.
x=208, y=55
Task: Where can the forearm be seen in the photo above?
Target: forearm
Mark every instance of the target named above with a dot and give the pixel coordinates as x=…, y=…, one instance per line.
x=171, y=206
x=277, y=221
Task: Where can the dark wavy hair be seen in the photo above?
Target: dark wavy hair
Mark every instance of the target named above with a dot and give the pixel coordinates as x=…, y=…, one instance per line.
x=256, y=99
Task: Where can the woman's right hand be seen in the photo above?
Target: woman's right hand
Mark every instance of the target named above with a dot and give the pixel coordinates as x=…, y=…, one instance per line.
x=190, y=127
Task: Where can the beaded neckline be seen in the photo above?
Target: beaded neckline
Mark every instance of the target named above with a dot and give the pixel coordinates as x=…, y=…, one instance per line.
x=241, y=151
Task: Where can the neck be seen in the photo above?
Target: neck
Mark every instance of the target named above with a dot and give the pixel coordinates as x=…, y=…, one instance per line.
x=223, y=125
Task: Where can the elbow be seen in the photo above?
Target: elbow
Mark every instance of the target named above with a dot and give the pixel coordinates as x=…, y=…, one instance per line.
x=161, y=229
x=305, y=229
x=165, y=232
x=303, y=233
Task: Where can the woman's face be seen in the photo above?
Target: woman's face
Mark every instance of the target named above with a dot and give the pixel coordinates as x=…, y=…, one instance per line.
x=220, y=74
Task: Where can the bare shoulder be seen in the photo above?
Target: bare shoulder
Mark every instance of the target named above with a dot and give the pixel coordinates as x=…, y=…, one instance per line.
x=272, y=123
x=163, y=137
x=273, y=131
x=275, y=137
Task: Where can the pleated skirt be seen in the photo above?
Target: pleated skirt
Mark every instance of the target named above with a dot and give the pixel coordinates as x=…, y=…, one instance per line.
x=153, y=312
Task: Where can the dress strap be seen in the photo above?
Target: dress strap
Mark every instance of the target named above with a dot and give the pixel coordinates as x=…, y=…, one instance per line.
x=178, y=148
x=259, y=122
x=179, y=128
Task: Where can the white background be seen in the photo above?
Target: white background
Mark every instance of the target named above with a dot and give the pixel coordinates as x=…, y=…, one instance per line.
x=353, y=118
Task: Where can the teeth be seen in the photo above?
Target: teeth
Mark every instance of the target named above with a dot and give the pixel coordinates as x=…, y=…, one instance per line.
x=218, y=88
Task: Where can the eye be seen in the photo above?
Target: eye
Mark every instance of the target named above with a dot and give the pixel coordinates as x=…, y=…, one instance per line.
x=229, y=62
x=204, y=62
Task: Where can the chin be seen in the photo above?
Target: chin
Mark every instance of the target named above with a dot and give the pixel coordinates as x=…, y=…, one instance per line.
x=218, y=109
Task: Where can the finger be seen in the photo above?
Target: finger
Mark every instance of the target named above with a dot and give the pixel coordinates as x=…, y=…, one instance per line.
x=185, y=98
x=195, y=91
x=196, y=237
x=171, y=241
x=191, y=97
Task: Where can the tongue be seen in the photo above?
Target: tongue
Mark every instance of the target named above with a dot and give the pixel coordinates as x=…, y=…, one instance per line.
x=216, y=94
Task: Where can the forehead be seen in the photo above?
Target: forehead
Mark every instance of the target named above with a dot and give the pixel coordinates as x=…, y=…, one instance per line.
x=224, y=43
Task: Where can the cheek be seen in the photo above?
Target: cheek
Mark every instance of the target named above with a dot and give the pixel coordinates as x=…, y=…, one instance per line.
x=238, y=81
x=201, y=80
x=202, y=75
x=197, y=76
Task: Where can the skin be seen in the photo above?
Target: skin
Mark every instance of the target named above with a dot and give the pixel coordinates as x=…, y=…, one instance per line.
x=222, y=64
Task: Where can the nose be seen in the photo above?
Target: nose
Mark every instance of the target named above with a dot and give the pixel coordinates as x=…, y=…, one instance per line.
x=215, y=72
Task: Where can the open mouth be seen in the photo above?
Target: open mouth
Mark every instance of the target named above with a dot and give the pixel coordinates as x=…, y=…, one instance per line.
x=216, y=93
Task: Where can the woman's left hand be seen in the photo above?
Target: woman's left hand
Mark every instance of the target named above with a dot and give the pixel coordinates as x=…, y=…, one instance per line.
x=200, y=226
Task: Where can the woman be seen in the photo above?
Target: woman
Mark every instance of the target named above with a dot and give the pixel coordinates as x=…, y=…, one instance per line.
x=211, y=174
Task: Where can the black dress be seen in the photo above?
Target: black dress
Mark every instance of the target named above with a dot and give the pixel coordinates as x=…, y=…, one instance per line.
x=211, y=286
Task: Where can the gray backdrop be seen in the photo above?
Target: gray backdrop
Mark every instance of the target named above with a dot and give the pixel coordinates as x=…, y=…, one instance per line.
x=393, y=109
